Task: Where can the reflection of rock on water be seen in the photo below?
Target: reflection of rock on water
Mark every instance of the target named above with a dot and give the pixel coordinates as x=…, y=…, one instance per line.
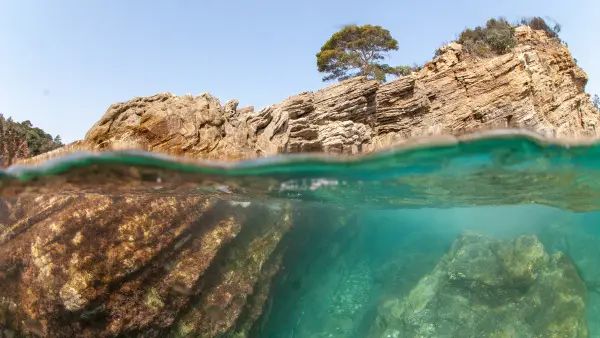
x=485, y=287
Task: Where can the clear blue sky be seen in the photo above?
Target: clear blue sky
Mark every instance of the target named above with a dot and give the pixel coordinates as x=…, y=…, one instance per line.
x=62, y=63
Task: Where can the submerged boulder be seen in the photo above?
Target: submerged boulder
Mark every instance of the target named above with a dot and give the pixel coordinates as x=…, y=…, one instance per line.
x=485, y=287
x=135, y=264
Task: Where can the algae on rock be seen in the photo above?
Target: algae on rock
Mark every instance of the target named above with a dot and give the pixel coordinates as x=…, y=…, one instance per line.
x=486, y=287
x=136, y=264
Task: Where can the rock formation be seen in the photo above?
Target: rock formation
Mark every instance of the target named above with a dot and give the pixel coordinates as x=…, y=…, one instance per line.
x=137, y=264
x=537, y=86
x=491, y=288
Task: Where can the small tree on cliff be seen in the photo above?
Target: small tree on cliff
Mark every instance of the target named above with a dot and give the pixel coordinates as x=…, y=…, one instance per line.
x=357, y=50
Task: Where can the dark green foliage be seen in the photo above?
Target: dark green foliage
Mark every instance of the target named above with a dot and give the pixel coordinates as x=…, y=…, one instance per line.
x=497, y=37
x=538, y=23
x=500, y=35
x=21, y=140
x=357, y=50
x=40, y=142
x=13, y=141
x=403, y=70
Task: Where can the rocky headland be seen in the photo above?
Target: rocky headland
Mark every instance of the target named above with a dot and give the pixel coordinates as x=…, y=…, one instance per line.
x=537, y=86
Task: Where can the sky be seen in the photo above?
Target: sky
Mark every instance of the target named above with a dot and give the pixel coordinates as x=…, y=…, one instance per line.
x=63, y=63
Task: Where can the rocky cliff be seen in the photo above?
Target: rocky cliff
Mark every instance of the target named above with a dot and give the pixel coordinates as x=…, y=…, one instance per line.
x=537, y=86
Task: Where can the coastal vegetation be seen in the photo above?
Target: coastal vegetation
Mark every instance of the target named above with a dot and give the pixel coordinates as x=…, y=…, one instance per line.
x=21, y=140
x=358, y=51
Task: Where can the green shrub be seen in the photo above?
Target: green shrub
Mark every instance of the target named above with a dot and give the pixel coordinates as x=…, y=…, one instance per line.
x=21, y=140
x=471, y=35
x=482, y=49
x=500, y=35
x=497, y=37
x=402, y=70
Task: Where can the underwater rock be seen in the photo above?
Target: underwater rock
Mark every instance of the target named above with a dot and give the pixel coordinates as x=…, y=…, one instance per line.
x=582, y=246
x=486, y=287
x=135, y=264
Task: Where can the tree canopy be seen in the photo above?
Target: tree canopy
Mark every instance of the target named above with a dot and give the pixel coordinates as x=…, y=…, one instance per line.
x=358, y=50
x=21, y=140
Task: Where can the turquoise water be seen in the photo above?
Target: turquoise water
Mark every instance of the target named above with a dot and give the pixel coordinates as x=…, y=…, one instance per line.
x=494, y=237
x=343, y=285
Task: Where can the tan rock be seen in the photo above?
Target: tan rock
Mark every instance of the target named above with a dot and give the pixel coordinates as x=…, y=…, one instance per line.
x=537, y=86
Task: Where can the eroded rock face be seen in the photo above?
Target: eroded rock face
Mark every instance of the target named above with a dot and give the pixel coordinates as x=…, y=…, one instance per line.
x=156, y=265
x=537, y=86
x=486, y=287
